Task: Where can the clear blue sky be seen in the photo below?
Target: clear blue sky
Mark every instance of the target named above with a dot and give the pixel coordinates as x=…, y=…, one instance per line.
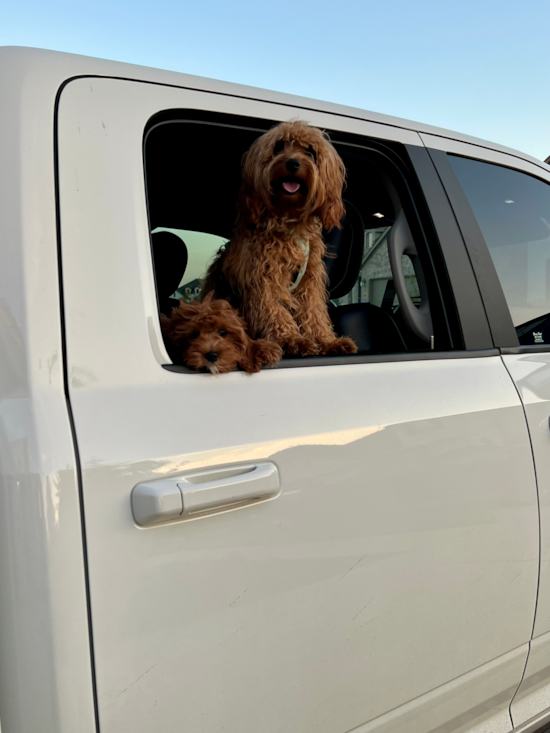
x=478, y=66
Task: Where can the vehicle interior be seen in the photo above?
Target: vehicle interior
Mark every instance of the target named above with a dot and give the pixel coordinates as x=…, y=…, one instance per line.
x=378, y=294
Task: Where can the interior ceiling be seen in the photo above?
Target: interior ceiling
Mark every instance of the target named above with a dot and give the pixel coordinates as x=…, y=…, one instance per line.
x=193, y=177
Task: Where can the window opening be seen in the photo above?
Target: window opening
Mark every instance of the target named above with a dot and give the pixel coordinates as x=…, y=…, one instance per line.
x=193, y=178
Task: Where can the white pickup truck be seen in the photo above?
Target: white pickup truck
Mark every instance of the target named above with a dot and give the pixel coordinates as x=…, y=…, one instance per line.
x=374, y=552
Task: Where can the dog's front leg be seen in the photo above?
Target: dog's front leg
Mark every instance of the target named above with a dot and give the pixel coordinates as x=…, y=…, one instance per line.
x=269, y=317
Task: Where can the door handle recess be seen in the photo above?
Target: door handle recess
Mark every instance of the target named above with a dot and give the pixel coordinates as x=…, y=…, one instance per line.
x=205, y=491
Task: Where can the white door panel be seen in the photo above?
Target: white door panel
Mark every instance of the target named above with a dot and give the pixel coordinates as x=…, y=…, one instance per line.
x=401, y=553
x=531, y=373
x=397, y=557
x=533, y=696
x=476, y=702
x=520, y=262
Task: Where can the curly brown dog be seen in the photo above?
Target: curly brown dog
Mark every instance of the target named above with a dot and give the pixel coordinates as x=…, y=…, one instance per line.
x=211, y=336
x=273, y=269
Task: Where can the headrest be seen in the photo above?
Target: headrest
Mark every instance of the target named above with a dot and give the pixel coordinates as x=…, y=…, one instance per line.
x=170, y=261
x=346, y=247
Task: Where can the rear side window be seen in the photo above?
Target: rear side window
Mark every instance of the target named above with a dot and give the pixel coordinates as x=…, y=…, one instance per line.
x=193, y=177
x=513, y=212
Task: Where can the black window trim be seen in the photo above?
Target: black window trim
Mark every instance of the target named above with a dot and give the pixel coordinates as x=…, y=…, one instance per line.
x=476, y=332
x=322, y=361
x=525, y=349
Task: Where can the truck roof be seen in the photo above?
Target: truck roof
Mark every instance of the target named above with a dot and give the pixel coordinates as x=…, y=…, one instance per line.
x=41, y=67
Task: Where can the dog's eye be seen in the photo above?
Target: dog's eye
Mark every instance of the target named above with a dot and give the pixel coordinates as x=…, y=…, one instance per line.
x=279, y=147
x=311, y=151
x=223, y=333
x=195, y=335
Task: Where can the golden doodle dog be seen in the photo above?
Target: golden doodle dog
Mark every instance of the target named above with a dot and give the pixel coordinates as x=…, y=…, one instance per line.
x=211, y=336
x=273, y=269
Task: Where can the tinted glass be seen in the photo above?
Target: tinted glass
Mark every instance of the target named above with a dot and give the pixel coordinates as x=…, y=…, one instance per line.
x=513, y=212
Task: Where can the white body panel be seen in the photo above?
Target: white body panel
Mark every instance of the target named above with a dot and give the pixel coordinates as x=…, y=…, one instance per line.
x=45, y=665
x=401, y=554
x=390, y=587
x=531, y=373
x=534, y=692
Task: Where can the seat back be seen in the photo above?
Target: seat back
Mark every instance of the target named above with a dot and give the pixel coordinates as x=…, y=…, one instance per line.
x=372, y=329
x=169, y=261
x=344, y=252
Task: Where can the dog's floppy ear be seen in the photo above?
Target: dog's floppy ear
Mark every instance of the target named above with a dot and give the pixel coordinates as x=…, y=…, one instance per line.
x=225, y=310
x=332, y=173
x=184, y=311
x=251, y=205
x=208, y=297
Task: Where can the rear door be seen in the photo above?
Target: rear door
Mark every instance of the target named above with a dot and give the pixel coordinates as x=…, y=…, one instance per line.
x=391, y=578
x=503, y=206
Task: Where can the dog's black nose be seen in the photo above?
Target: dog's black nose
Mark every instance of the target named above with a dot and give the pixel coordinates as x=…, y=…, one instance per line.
x=211, y=356
x=292, y=165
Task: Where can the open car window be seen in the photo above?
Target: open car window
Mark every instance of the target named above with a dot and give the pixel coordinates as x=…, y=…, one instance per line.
x=192, y=216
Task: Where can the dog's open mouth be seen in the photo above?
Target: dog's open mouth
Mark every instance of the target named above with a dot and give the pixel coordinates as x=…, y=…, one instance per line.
x=290, y=186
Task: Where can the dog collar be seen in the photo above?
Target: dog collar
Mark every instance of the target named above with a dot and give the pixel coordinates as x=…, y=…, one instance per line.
x=302, y=271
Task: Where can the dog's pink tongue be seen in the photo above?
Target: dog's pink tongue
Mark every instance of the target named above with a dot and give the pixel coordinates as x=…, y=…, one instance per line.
x=291, y=187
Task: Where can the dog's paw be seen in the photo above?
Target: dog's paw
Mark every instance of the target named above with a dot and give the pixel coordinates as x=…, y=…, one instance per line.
x=341, y=345
x=260, y=352
x=267, y=352
x=302, y=345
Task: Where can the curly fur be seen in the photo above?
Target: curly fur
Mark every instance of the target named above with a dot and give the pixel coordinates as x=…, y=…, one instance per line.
x=211, y=336
x=255, y=272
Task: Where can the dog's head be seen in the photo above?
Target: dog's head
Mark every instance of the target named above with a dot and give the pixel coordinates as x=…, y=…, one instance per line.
x=209, y=336
x=292, y=172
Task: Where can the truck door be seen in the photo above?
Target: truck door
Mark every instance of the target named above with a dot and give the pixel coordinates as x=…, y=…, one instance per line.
x=386, y=578
x=503, y=206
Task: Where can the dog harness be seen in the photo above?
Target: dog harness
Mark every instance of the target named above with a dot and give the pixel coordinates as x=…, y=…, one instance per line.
x=302, y=271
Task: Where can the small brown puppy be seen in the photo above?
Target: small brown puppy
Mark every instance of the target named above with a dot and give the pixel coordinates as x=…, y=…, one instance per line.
x=211, y=336
x=273, y=269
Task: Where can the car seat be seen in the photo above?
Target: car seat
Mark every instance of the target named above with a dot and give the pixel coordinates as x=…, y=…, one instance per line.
x=169, y=261
x=372, y=328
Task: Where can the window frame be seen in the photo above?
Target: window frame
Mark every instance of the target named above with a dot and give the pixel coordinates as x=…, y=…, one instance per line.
x=495, y=304
x=458, y=295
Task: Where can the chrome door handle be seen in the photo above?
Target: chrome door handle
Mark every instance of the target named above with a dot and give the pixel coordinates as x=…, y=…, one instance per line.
x=205, y=491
